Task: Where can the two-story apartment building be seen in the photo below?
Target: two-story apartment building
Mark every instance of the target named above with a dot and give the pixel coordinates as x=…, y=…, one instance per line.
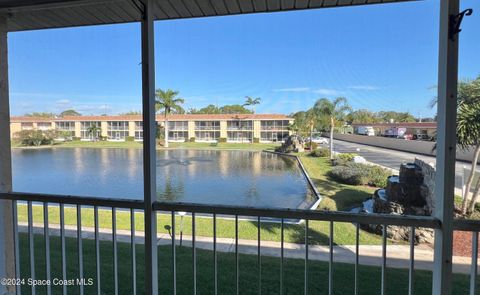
x=181, y=127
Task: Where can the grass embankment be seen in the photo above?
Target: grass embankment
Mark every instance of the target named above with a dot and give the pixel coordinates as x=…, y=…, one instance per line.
x=343, y=274
x=336, y=196
x=172, y=145
x=344, y=233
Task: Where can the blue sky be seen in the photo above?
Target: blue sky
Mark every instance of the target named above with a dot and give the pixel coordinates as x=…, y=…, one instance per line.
x=381, y=57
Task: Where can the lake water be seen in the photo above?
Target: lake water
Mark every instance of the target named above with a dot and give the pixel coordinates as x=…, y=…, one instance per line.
x=199, y=176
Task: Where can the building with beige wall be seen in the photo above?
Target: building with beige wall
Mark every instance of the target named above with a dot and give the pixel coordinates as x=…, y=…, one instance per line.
x=186, y=127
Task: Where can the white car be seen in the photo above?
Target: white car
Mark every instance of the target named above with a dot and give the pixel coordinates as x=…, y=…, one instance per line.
x=318, y=140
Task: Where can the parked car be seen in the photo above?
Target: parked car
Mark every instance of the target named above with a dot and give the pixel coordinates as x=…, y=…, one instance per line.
x=422, y=137
x=407, y=137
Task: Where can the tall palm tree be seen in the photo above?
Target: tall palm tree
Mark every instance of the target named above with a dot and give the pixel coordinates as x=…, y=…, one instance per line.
x=311, y=118
x=94, y=130
x=168, y=101
x=252, y=102
x=468, y=133
x=335, y=110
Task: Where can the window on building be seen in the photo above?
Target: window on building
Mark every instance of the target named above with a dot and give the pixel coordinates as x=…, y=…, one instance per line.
x=178, y=125
x=86, y=128
x=138, y=130
x=207, y=125
x=239, y=125
x=27, y=126
x=117, y=130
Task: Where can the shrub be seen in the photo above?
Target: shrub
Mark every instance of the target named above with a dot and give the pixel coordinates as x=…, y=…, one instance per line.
x=377, y=176
x=103, y=138
x=129, y=138
x=36, y=137
x=347, y=157
x=311, y=145
x=192, y=139
x=352, y=173
x=360, y=174
x=321, y=152
x=222, y=140
x=76, y=138
x=256, y=140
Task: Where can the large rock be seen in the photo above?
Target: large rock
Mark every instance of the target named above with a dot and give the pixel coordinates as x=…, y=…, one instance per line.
x=406, y=194
x=292, y=144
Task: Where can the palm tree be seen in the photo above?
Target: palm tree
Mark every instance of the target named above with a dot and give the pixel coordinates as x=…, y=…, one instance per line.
x=311, y=118
x=168, y=101
x=252, y=102
x=335, y=110
x=468, y=133
x=93, y=130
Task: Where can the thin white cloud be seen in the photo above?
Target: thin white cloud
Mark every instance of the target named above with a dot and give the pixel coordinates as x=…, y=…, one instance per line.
x=293, y=89
x=326, y=91
x=63, y=101
x=364, y=87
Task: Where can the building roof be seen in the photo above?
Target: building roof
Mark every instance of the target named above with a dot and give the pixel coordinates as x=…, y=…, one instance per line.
x=175, y=117
x=400, y=124
x=43, y=14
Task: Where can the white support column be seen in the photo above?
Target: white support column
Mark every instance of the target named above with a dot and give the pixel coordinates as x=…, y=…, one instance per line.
x=149, y=152
x=7, y=254
x=446, y=148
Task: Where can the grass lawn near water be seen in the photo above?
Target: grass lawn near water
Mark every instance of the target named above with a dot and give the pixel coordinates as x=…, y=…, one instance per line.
x=343, y=274
x=344, y=233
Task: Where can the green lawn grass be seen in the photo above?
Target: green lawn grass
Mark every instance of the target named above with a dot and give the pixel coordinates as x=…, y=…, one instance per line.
x=344, y=233
x=336, y=196
x=343, y=278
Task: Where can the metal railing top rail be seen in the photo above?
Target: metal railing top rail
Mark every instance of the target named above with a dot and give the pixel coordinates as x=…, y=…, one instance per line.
x=466, y=225
x=362, y=218
x=73, y=200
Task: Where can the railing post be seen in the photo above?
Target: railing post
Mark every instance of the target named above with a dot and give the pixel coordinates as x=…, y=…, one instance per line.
x=7, y=253
x=446, y=147
x=149, y=152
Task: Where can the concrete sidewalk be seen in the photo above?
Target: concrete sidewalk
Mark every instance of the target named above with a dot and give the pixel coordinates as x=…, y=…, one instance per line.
x=397, y=255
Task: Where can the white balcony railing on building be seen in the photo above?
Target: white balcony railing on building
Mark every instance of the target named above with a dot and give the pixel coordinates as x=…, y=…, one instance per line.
x=256, y=216
x=207, y=128
x=239, y=128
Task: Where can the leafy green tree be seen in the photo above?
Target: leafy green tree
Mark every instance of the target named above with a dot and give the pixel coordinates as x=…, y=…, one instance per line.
x=35, y=137
x=388, y=116
x=210, y=109
x=168, y=101
x=131, y=113
x=252, y=102
x=68, y=113
x=40, y=114
x=335, y=110
x=362, y=116
x=234, y=109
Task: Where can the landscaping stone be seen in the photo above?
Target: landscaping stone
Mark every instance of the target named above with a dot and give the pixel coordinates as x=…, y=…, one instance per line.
x=291, y=144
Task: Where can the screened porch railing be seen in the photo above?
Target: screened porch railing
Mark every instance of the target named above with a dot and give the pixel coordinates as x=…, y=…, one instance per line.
x=279, y=216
